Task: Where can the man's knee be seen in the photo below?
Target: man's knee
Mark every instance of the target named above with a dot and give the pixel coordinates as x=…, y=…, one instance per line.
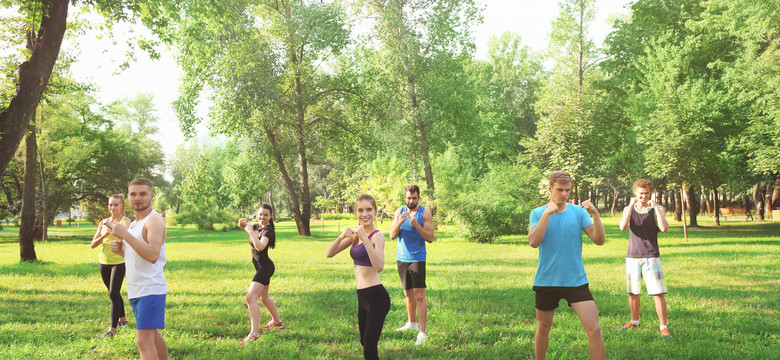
x=593, y=329
x=419, y=295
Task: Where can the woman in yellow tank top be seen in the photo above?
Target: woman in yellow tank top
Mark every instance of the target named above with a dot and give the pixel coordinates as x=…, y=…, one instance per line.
x=112, y=265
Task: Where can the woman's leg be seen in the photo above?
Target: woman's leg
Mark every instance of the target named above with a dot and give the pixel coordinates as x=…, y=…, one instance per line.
x=379, y=306
x=114, y=291
x=106, y=273
x=268, y=302
x=254, y=309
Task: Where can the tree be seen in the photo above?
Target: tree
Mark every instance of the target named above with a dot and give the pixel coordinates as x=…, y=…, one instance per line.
x=564, y=131
x=422, y=41
x=261, y=61
x=43, y=41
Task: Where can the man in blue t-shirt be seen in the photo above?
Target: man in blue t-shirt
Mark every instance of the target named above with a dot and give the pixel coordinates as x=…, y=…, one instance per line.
x=413, y=226
x=556, y=229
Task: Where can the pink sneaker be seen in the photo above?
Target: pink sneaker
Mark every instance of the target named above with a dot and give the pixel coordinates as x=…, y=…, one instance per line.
x=271, y=323
x=250, y=337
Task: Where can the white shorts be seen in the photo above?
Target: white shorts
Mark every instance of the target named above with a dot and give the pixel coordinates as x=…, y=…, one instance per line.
x=650, y=270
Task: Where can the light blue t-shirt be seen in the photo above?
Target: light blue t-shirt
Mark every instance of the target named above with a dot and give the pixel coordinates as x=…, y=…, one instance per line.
x=560, y=253
x=411, y=246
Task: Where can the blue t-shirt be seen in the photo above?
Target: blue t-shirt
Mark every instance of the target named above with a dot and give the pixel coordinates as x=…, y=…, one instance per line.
x=411, y=246
x=560, y=253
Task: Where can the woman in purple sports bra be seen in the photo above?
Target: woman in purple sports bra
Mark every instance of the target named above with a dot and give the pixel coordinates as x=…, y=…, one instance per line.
x=367, y=248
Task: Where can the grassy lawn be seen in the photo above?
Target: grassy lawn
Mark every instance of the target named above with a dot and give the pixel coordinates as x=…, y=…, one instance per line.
x=723, y=298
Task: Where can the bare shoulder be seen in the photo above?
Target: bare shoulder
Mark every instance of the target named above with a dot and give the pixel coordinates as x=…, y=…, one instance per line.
x=427, y=214
x=156, y=225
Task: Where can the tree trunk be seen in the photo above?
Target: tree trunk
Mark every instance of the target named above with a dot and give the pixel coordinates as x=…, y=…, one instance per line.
x=677, y=205
x=716, y=203
x=776, y=196
x=768, y=200
x=44, y=220
x=693, y=204
x=27, y=226
x=705, y=201
x=665, y=195
x=33, y=78
x=288, y=183
x=758, y=201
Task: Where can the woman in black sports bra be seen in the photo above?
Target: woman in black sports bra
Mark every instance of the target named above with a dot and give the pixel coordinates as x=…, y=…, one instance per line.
x=367, y=249
x=261, y=237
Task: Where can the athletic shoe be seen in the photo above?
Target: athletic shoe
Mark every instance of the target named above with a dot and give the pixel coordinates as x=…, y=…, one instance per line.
x=107, y=335
x=408, y=326
x=271, y=323
x=628, y=325
x=250, y=337
x=420, y=338
x=665, y=333
x=122, y=324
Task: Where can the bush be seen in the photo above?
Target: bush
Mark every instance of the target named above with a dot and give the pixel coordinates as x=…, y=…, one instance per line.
x=499, y=203
x=337, y=216
x=207, y=220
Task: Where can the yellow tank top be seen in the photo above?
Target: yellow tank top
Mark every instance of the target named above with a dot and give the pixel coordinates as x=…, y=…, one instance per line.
x=108, y=257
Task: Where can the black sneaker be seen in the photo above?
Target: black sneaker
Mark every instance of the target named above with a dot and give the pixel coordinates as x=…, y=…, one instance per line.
x=107, y=335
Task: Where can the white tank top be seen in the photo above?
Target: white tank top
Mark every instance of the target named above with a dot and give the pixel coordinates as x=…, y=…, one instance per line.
x=143, y=277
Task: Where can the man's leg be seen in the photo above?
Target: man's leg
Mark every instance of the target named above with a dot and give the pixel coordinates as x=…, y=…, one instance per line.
x=544, y=321
x=660, y=308
x=634, y=304
x=145, y=340
x=589, y=316
x=411, y=305
x=422, y=308
x=160, y=345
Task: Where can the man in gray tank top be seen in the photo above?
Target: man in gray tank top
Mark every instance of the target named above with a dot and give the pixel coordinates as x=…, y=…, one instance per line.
x=644, y=219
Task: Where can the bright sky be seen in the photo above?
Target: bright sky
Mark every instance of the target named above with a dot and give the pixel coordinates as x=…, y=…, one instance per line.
x=529, y=18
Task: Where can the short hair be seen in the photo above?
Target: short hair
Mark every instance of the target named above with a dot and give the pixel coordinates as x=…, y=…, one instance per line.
x=141, y=181
x=367, y=197
x=412, y=189
x=642, y=183
x=560, y=177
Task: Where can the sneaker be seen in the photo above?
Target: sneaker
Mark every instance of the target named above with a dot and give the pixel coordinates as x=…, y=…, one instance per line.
x=107, y=335
x=122, y=325
x=408, y=326
x=271, y=323
x=250, y=337
x=420, y=338
x=628, y=325
x=665, y=333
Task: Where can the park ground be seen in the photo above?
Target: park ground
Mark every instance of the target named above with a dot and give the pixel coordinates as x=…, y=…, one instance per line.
x=723, y=298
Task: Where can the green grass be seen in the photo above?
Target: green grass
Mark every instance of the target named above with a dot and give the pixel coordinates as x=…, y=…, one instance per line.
x=723, y=298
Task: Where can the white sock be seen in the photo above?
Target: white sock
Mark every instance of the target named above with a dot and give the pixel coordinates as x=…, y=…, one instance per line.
x=663, y=327
x=635, y=322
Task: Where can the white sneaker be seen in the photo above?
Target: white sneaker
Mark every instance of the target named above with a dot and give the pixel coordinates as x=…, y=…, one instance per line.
x=408, y=326
x=420, y=338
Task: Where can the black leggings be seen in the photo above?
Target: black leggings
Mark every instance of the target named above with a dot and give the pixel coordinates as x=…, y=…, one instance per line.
x=373, y=306
x=113, y=275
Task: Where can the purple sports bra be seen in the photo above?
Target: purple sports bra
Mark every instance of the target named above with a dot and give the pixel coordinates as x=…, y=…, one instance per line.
x=359, y=254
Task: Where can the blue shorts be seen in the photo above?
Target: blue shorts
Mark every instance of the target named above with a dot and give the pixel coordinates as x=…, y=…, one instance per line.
x=149, y=311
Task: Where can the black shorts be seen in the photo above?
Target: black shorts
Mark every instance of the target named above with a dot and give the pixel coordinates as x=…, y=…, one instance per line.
x=547, y=297
x=264, y=272
x=412, y=275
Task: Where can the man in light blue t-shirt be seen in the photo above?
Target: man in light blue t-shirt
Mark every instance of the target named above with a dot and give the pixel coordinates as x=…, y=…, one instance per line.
x=413, y=227
x=556, y=229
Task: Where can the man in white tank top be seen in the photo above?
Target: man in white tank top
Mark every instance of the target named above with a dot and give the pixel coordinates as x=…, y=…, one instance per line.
x=144, y=260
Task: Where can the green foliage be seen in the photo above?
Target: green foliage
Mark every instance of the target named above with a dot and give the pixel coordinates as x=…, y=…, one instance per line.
x=497, y=204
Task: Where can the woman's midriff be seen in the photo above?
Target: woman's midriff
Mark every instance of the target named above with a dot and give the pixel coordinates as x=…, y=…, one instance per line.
x=366, y=276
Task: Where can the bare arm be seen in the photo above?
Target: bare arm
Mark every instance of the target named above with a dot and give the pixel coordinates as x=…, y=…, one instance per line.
x=625, y=220
x=98, y=239
x=426, y=231
x=596, y=231
x=259, y=243
x=398, y=219
x=375, y=247
x=660, y=217
x=342, y=242
x=154, y=231
x=536, y=233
